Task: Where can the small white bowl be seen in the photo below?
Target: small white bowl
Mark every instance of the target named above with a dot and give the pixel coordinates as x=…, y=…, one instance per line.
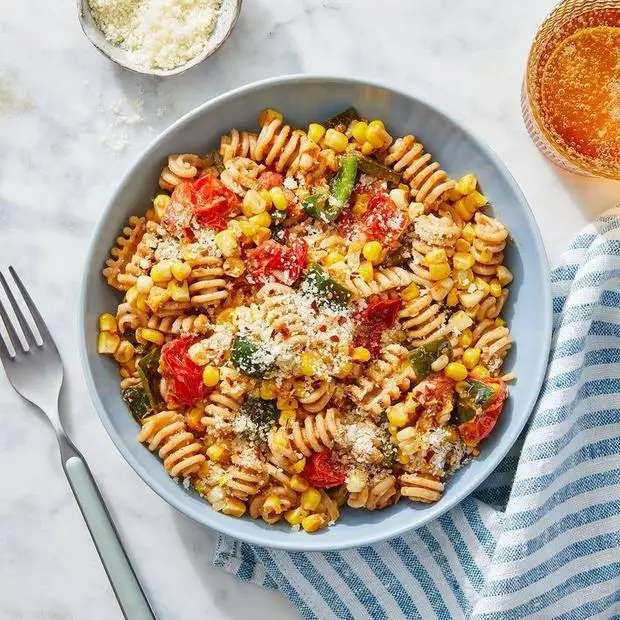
x=229, y=12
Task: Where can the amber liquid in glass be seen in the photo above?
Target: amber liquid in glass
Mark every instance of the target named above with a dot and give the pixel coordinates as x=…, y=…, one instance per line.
x=581, y=95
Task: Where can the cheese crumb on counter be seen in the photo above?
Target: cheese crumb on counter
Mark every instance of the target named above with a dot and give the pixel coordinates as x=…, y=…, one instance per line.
x=159, y=34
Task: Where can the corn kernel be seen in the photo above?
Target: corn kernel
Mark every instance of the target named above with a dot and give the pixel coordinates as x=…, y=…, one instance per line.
x=361, y=354
x=468, y=233
x=261, y=219
x=179, y=291
x=253, y=203
x=131, y=295
x=495, y=288
x=272, y=505
x=439, y=291
x=462, y=245
x=366, y=271
x=377, y=135
x=144, y=284
x=210, y=376
x=286, y=403
x=124, y=352
x=268, y=115
x=480, y=372
x=485, y=257
x=233, y=267
x=471, y=357
x=466, y=184
x=315, y=132
x=248, y=229
x=475, y=201
x=482, y=285
x=460, y=322
x=286, y=416
x=332, y=258
x=435, y=257
x=160, y=204
x=466, y=338
x=439, y=271
x=357, y=481
x=310, y=499
x=360, y=206
x=453, y=298
x=463, y=279
x=141, y=303
x=299, y=484
x=313, y=523
x=461, y=208
x=296, y=516
x=108, y=343
x=233, y=507
x=358, y=131
x=298, y=467
x=471, y=300
x=372, y=250
x=266, y=196
x=261, y=235
x=402, y=458
x=217, y=452
x=440, y=363
x=308, y=363
x=500, y=322
x=225, y=316
x=278, y=198
x=107, y=323
x=198, y=354
x=161, y=272
x=411, y=292
x=267, y=390
x=463, y=261
x=397, y=416
x=367, y=148
x=453, y=195
x=180, y=271
x=227, y=242
x=194, y=418
x=392, y=429
x=504, y=275
x=456, y=371
x=400, y=197
x=336, y=140
x=145, y=335
x=345, y=370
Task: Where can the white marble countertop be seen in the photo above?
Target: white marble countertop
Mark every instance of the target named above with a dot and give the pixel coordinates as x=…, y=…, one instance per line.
x=71, y=123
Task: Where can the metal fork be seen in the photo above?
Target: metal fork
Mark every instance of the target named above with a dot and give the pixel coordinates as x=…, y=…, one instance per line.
x=35, y=371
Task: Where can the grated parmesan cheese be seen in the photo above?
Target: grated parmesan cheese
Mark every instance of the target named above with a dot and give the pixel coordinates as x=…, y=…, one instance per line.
x=159, y=34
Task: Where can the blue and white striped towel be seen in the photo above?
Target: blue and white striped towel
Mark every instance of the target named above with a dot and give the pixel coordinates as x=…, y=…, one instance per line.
x=541, y=537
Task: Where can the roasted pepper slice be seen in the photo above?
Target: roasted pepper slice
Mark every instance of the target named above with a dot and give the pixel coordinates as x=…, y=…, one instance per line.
x=473, y=397
x=263, y=413
x=342, y=118
x=325, y=289
x=148, y=371
x=250, y=358
x=137, y=401
x=373, y=168
x=423, y=357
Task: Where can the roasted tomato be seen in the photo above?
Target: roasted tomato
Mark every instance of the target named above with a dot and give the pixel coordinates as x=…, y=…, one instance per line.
x=373, y=321
x=269, y=179
x=474, y=431
x=273, y=262
x=383, y=220
x=214, y=202
x=178, y=214
x=184, y=378
x=320, y=471
x=436, y=394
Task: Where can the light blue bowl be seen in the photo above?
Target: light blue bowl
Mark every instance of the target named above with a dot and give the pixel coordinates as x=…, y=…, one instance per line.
x=303, y=99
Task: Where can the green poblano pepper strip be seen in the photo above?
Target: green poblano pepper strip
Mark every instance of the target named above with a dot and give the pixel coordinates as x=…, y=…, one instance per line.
x=325, y=289
x=262, y=413
x=342, y=118
x=137, y=401
x=473, y=397
x=423, y=357
x=314, y=205
x=148, y=371
x=373, y=168
x=250, y=358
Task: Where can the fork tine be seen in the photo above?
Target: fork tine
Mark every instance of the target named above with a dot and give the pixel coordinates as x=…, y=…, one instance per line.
x=30, y=339
x=12, y=334
x=4, y=350
x=38, y=319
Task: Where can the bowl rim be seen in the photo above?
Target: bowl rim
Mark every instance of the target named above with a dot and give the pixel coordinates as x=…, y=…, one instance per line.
x=309, y=543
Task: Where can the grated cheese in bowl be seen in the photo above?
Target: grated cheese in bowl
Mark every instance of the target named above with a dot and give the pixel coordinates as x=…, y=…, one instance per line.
x=157, y=34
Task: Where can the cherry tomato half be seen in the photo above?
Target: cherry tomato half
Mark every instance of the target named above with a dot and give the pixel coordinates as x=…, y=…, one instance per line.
x=474, y=431
x=320, y=471
x=184, y=378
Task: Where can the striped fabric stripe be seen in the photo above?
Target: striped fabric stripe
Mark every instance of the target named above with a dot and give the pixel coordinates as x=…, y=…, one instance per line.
x=541, y=537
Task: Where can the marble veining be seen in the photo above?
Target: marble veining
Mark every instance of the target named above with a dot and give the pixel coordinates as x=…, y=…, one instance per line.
x=71, y=123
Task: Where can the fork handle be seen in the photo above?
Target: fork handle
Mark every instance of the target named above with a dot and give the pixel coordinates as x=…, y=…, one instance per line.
x=127, y=588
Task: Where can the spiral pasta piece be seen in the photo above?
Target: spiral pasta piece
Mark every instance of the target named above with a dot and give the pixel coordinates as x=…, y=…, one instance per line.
x=434, y=231
x=238, y=144
x=488, y=245
x=271, y=504
x=318, y=398
x=384, y=279
x=128, y=317
x=220, y=411
x=246, y=476
x=281, y=315
x=180, y=325
x=207, y=286
x=122, y=253
x=421, y=488
x=424, y=320
x=241, y=174
x=378, y=494
x=181, y=167
x=177, y=447
x=315, y=432
x=494, y=343
x=430, y=183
